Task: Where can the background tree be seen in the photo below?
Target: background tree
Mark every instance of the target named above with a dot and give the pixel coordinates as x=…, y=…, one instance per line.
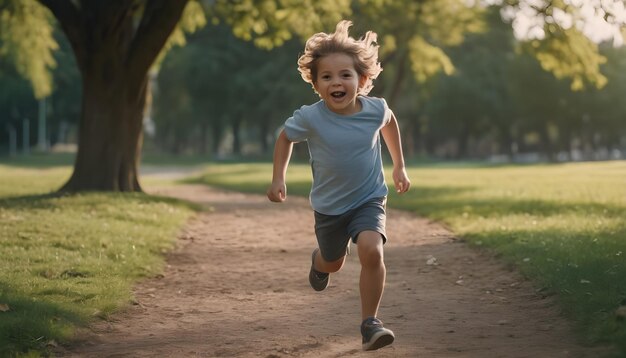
x=227, y=85
x=27, y=41
x=16, y=104
x=473, y=103
x=193, y=92
x=564, y=35
x=64, y=104
x=413, y=34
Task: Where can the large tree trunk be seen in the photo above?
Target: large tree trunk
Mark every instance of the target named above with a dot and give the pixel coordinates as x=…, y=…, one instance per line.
x=115, y=43
x=110, y=137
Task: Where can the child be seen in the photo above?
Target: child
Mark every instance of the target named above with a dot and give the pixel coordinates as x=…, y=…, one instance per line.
x=349, y=191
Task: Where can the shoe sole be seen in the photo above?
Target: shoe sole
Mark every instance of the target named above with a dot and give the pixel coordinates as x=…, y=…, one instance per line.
x=379, y=340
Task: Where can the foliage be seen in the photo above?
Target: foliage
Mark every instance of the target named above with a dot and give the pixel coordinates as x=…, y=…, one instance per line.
x=473, y=102
x=425, y=26
x=192, y=19
x=563, y=34
x=501, y=98
x=16, y=100
x=561, y=225
x=415, y=31
x=26, y=37
x=570, y=55
x=454, y=74
x=18, y=103
x=218, y=83
x=80, y=260
x=270, y=23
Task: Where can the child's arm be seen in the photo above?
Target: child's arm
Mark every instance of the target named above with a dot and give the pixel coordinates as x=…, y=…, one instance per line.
x=391, y=135
x=277, y=192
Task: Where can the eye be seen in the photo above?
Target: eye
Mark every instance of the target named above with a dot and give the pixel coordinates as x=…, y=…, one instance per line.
x=347, y=75
x=325, y=77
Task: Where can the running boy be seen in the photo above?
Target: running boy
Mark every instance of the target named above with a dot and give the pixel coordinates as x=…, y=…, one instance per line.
x=349, y=191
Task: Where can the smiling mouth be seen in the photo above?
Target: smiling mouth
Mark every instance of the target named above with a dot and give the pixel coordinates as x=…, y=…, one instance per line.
x=338, y=94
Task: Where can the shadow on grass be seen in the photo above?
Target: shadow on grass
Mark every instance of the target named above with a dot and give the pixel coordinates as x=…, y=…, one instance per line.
x=31, y=325
x=37, y=201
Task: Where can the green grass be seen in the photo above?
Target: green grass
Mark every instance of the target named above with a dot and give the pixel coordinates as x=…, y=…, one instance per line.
x=563, y=226
x=67, y=260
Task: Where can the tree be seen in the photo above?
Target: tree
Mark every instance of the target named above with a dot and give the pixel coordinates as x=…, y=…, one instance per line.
x=26, y=39
x=563, y=35
x=263, y=88
x=413, y=35
x=474, y=104
x=116, y=42
x=64, y=102
x=16, y=104
x=194, y=85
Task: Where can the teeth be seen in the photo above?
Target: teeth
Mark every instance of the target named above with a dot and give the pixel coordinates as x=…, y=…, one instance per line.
x=337, y=94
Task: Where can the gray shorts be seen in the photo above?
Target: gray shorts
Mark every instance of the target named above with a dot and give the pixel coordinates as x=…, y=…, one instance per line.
x=333, y=232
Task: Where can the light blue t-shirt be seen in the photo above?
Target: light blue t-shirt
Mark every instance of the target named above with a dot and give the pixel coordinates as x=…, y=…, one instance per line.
x=345, y=153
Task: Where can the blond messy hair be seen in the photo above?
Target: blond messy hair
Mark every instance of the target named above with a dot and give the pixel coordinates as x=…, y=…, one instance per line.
x=364, y=52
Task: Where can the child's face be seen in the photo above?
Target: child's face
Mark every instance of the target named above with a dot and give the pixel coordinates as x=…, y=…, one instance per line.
x=337, y=83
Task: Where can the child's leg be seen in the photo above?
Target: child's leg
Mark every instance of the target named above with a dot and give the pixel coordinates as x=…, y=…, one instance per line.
x=322, y=265
x=373, y=272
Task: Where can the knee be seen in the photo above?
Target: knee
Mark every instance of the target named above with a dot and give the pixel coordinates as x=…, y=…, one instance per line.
x=371, y=256
x=370, y=250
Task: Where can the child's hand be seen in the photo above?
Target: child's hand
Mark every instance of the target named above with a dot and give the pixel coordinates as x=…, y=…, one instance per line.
x=277, y=192
x=401, y=180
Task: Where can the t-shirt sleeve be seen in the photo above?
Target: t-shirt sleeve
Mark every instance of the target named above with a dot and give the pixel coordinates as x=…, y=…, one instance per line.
x=386, y=113
x=297, y=127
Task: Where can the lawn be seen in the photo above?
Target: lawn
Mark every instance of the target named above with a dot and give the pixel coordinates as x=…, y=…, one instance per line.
x=67, y=260
x=561, y=225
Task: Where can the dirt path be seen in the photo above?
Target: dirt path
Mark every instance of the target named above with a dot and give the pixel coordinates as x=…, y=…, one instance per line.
x=237, y=287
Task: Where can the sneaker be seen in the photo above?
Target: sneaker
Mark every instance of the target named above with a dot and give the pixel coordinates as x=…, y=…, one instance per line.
x=375, y=336
x=318, y=280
